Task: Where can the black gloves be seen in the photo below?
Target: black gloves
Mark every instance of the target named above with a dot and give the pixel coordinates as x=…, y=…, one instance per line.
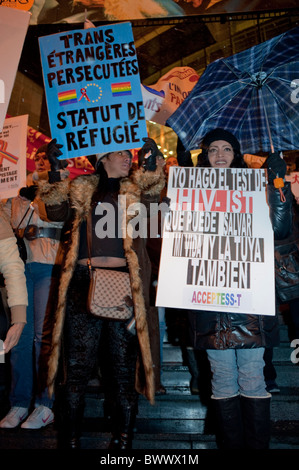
x=53, y=151
x=28, y=192
x=149, y=163
x=276, y=167
x=183, y=155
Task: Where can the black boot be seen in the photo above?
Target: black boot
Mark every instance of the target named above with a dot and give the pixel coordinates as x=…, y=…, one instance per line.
x=72, y=427
x=229, y=419
x=257, y=424
x=122, y=439
x=193, y=369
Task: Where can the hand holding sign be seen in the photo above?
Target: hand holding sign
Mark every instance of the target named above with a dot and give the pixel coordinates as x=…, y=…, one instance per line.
x=53, y=152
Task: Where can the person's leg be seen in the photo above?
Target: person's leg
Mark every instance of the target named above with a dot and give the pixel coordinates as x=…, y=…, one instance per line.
x=123, y=348
x=44, y=294
x=226, y=399
x=255, y=400
x=22, y=354
x=81, y=342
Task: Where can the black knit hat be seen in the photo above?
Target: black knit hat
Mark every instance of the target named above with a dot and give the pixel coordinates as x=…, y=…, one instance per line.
x=42, y=149
x=220, y=134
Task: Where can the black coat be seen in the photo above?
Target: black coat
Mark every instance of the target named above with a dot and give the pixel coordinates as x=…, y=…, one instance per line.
x=216, y=330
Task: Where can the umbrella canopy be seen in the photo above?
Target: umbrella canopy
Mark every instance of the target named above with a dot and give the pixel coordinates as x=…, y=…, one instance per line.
x=253, y=94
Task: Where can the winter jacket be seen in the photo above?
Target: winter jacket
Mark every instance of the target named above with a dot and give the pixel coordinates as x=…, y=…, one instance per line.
x=142, y=187
x=12, y=268
x=215, y=330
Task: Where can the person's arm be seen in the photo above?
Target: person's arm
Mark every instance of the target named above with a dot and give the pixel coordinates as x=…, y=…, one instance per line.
x=54, y=192
x=279, y=199
x=12, y=268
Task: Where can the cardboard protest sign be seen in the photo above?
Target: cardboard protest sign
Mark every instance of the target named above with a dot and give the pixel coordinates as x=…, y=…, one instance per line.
x=218, y=249
x=93, y=90
x=293, y=178
x=13, y=140
x=164, y=97
x=13, y=29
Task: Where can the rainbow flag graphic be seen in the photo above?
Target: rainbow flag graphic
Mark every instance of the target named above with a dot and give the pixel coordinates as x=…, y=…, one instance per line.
x=121, y=89
x=67, y=97
x=11, y=158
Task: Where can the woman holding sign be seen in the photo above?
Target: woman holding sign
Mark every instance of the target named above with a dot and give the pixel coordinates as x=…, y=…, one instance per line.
x=234, y=342
x=93, y=203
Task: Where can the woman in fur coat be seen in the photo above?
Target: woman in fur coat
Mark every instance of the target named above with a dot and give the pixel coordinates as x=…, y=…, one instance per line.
x=128, y=356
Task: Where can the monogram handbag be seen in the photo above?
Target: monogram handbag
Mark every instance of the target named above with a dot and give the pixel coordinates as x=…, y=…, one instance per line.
x=109, y=294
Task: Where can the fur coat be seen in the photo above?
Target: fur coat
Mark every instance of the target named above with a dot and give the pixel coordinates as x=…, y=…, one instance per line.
x=140, y=187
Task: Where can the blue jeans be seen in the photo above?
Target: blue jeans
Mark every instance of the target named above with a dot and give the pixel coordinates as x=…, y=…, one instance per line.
x=237, y=371
x=29, y=358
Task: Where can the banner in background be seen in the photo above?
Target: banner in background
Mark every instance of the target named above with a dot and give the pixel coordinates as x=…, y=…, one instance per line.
x=93, y=90
x=13, y=156
x=218, y=240
x=35, y=139
x=163, y=98
x=293, y=178
x=100, y=10
x=13, y=28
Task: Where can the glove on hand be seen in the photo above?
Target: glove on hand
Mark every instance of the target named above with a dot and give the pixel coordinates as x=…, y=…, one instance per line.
x=28, y=192
x=276, y=167
x=53, y=151
x=149, y=163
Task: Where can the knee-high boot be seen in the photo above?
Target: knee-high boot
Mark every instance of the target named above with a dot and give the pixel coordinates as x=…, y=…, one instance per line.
x=257, y=424
x=122, y=438
x=229, y=422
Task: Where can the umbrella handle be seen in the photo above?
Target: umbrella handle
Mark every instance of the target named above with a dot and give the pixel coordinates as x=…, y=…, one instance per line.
x=266, y=117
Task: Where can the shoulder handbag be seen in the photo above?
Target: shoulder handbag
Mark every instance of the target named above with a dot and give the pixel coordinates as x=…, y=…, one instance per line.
x=287, y=271
x=19, y=234
x=110, y=294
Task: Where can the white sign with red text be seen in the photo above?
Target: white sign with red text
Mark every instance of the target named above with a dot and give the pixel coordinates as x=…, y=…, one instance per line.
x=218, y=247
x=13, y=139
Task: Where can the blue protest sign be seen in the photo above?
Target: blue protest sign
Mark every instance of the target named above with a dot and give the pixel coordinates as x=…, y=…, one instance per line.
x=93, y=90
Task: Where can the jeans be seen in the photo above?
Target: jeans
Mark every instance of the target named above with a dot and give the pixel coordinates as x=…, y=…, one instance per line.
x=29, y=358
x=237, y=371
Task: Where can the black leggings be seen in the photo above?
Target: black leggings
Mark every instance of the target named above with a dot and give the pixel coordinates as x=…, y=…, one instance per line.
x=82, y=335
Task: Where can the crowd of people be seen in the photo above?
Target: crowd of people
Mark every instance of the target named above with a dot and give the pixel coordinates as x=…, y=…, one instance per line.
x=71, y=229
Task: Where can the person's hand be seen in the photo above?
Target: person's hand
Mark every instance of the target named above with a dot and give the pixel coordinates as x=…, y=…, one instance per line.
x=13, y=336
x=276, y=165
x=149, y=162
x=53, y=152
x=28, y=192
x=149, y=151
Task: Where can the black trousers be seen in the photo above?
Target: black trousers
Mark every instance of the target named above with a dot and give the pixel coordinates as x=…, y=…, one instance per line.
x=83, y=336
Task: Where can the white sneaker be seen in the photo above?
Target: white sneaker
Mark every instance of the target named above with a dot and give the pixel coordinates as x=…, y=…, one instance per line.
x=14, y=417
x=40, y=417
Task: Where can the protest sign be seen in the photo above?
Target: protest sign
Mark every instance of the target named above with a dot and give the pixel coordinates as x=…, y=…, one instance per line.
x=93, y=90
x=35, y=139
x=218, y=249
x=293, y=178
x=13, y=140
x=13, y=28
x=164, y=97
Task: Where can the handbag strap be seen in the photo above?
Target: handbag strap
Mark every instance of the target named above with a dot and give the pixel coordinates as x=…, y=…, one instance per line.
x=29, y=207
x=89, y=238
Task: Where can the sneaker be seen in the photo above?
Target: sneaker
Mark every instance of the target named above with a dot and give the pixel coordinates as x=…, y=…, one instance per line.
x=40, y=417
x=15, y=416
